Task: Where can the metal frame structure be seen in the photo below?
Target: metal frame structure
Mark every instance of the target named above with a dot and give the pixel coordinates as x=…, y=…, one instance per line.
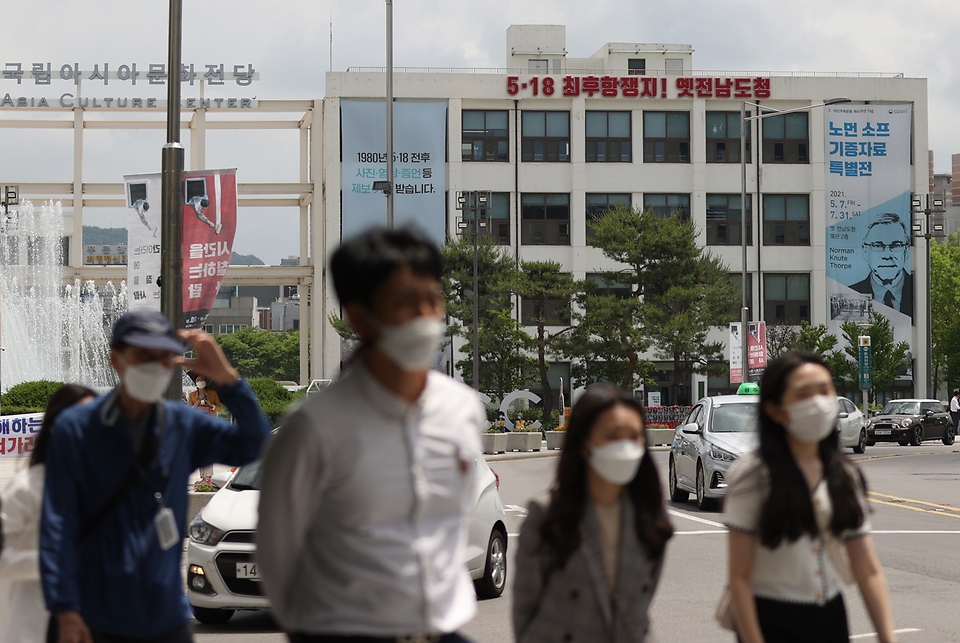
x=307, y=194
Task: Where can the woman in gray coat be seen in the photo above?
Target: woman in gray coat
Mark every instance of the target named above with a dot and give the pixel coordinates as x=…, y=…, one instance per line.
x=590, y=553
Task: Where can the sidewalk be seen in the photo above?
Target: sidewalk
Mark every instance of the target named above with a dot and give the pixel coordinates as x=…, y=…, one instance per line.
x=542, y=453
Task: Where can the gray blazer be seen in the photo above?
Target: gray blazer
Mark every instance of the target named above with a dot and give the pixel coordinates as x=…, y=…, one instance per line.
x=573, y=604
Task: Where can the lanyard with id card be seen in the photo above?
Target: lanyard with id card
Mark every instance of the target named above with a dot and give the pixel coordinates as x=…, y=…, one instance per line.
x=164, y=521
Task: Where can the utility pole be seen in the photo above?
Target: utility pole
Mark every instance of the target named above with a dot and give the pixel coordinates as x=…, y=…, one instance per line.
x=476, y=203
x=932, y=204
x=171, y=204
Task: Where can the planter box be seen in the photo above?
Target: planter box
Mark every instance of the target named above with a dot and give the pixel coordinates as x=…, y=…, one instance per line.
x=524, y=441
x=555, y=439
x=660, y=437
x=196, y=501
x=494, y=442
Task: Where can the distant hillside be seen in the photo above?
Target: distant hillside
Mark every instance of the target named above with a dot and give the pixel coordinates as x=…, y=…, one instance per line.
x=92, y=235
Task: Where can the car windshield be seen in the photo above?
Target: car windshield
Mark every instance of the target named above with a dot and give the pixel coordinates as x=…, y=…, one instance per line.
x=734, y=418
x=247, y=477
x=901, y=408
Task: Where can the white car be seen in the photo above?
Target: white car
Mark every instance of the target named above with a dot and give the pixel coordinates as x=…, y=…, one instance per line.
x=222, y=574
x=852, y=426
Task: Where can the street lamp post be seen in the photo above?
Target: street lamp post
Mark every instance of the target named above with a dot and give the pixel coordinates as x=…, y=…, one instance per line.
x=475, y=202
x=934, y=204
x=744, y=119
x=8, y=198
x=389, y=98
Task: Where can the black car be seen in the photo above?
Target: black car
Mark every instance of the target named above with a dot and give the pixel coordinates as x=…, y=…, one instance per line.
x=911, y=422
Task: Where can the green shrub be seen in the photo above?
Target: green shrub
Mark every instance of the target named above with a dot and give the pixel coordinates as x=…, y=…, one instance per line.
x=274, y=399
x=28, y=397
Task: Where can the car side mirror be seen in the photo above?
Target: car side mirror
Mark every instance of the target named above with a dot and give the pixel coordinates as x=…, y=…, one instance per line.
x=844, y=415
x=691, y=429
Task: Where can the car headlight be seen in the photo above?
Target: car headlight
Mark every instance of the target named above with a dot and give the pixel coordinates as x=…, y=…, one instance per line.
x=204, y=533
x=717, y=453
x=905, y=423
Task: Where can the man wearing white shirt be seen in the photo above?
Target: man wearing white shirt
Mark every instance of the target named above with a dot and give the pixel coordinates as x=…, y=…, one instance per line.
x=364, y=489
x=955, y=408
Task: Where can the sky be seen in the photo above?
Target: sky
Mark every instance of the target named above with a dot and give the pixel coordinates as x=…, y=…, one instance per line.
x=287, y=41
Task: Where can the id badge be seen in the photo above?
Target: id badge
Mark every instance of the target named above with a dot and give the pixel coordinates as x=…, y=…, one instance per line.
x=166, y=526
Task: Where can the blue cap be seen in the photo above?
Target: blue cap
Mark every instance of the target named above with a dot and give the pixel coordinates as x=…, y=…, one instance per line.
x=146, y=329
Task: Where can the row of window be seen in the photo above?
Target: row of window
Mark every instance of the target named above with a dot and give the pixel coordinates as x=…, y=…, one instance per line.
x=545, y=137
x=545, y=218
x=786, y=299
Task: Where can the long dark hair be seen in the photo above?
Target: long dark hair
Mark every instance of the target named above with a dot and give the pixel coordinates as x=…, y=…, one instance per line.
x=65, y=397
x=560, y=532
x=788, y=511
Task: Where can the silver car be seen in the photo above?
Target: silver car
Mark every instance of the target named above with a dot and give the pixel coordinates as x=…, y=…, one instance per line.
x=852, y=426
x=717, y=432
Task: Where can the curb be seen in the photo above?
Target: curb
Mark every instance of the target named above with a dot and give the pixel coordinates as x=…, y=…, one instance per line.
x=543, y=453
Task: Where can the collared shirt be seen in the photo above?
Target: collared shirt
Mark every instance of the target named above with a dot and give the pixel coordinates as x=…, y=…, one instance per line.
x=954, y=404
x=798, y=571
x=361, y=528
x=894, y=289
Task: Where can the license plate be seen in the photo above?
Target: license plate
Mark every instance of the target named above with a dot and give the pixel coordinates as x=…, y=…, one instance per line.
x=248, y=571
x=877, y=432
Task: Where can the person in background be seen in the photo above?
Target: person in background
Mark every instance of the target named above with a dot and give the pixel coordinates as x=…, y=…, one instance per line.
x=115, y=491
x=955, y=408
x=590, y=554
x=366, y=487
x=793, y=508
x=23, y=616
x=205, y=398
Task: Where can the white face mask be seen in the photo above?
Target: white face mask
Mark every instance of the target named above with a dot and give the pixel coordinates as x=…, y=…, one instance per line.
x=201, y=384
x=617, y=462
x=147, y=382
x=812, y=419
x=413, y=345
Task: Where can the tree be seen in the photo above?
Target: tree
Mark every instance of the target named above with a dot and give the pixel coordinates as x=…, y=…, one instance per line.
x=504, y=364
x=944, y=308
x=539, y=283
x=888, y=357
x=262, y=353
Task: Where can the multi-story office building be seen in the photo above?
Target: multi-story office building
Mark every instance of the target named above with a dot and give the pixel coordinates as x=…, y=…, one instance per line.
x=559, y=139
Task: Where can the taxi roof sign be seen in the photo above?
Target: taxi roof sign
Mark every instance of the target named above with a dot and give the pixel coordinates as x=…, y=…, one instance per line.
x=749, y=388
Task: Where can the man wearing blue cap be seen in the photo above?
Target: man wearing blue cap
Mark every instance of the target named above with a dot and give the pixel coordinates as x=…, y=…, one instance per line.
x=115, y=495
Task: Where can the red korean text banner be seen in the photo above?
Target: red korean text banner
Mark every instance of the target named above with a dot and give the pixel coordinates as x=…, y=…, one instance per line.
x=756, y=352
x=209, y=226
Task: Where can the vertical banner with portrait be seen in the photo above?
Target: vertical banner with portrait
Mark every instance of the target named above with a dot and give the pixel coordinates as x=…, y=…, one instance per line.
x=143, y=240
x=756, y=352
x=419, y=171
x=868, y=224
x=209, y=226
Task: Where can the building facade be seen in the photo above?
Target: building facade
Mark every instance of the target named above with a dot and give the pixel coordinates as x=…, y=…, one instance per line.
x=557, y=140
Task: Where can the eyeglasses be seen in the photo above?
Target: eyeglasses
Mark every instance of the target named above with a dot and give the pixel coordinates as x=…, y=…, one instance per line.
x=876, y=246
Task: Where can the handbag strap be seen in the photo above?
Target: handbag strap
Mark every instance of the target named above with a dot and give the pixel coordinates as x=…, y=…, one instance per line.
x=142, y=460
x=831, y=543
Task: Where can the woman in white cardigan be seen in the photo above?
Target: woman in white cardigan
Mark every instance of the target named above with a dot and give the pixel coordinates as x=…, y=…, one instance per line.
x=23, y=615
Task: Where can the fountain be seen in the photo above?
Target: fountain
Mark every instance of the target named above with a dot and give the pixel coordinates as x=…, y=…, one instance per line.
x=50, y=331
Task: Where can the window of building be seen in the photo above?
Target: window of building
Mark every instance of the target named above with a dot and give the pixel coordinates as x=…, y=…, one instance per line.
x=786, y=220
x=208, y=328
x=666, y=137
x=545, y=219
x=637, y=66
x=607, y=284
x=226, y=329
x=597, y=204
x=786, y=139
x=608, y=137
x=496, y=217
x=485, y=136
x=786, y=298
x=665, y=205
x=557, y=312
x=546, y=137
x=723, y=220
x=737, y=279
x=723, y=137
x=673, y=65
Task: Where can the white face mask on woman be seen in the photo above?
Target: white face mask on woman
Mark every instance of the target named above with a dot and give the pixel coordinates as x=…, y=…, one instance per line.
x=616, y=462
x=146, y=382
x=812, y=419
x=413, y=345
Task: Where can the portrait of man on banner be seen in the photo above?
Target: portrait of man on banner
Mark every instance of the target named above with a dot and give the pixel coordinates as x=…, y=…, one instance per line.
x=886, y=248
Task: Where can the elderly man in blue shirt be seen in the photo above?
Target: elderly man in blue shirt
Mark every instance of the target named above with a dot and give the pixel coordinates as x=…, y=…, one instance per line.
x=115, y=494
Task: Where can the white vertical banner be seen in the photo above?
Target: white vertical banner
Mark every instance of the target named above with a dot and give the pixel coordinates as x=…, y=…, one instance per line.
x=143, y=240
x=419, y=173
x=868, y=222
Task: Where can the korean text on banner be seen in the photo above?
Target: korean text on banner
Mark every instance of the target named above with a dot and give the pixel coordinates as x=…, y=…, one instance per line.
x=143, y=240
x=419, y=172
x=18, y=434
x=209, y=226
x=868, y=223
x=756, y=352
